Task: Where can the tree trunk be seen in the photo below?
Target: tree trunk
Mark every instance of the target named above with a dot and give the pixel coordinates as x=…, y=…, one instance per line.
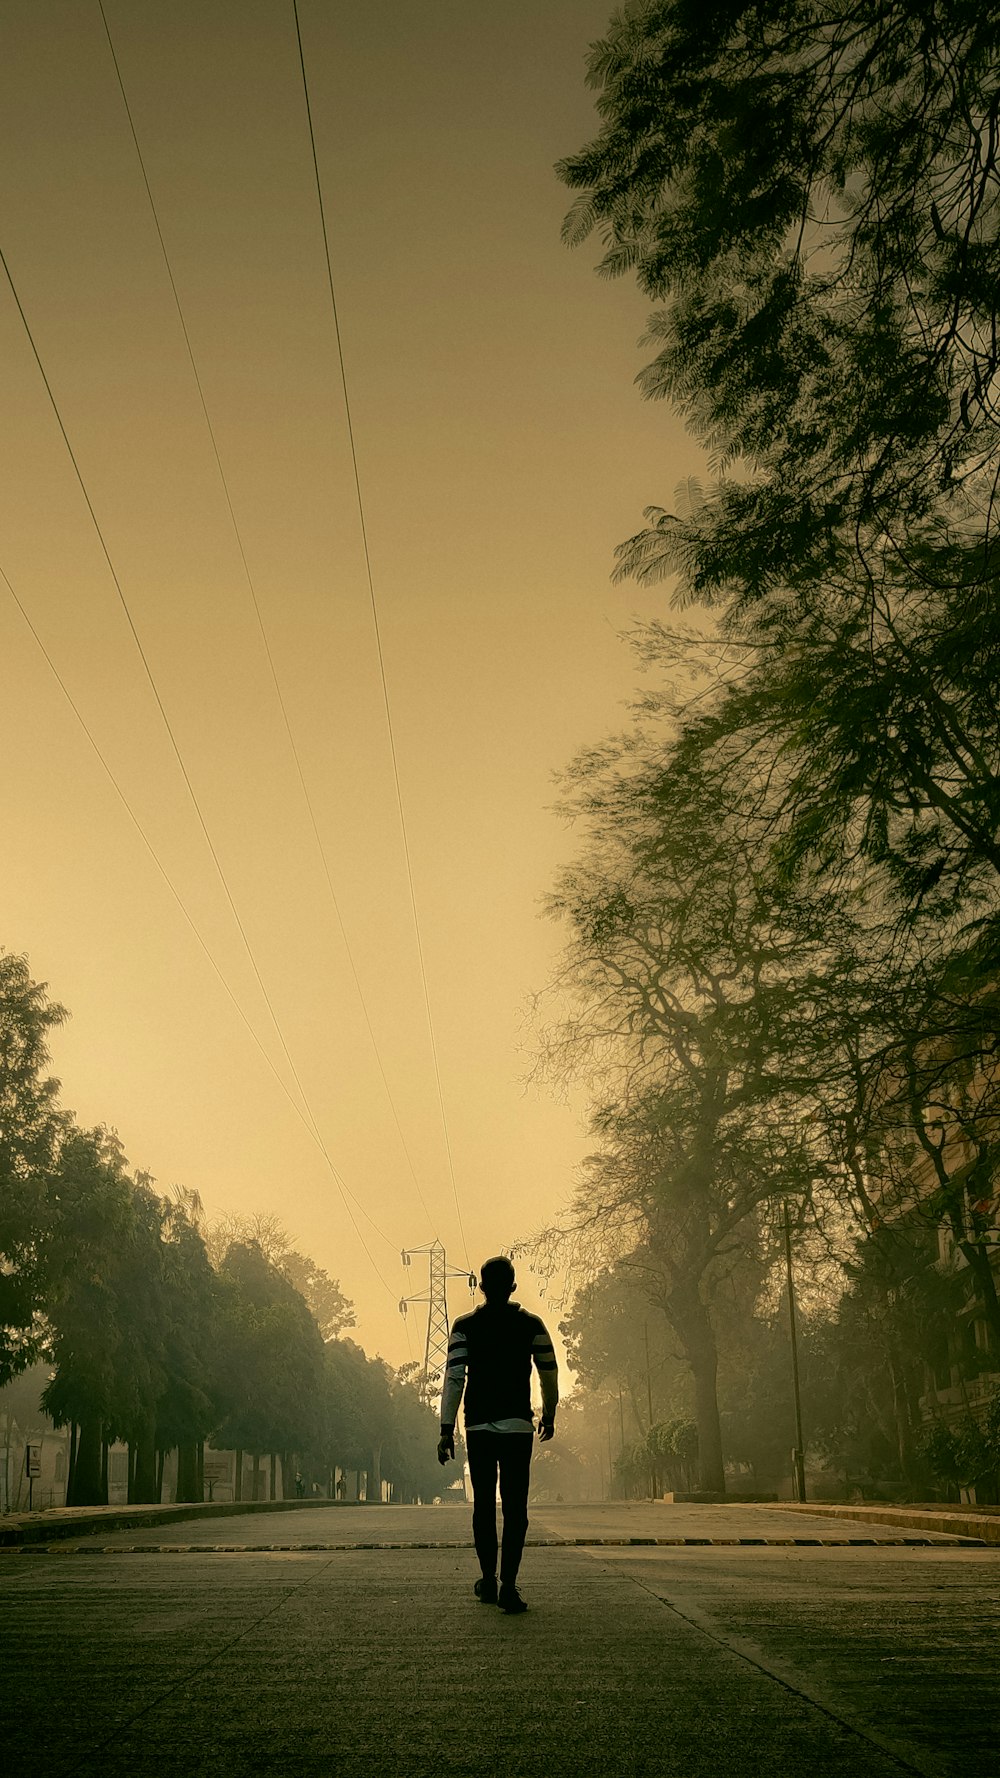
x=160, y=1456
x=238, y=1478
x=187, y=1472
x=711, y=1468
x=104, y=1471
x=201, y=1468
x=87, y=1468
x=255, y=1485
x=904, y=1430
x=144, y=1489
x=691, y=1321
x=71, y=1470
x=274, y=1476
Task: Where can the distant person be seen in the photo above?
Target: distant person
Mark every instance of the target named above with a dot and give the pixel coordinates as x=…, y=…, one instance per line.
x=490, y=1355
x=300, y=1487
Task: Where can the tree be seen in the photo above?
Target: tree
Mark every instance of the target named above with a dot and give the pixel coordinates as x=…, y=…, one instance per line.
x=31, y=1129
x=273, y=1359
x=192, y=1401
x=409, y=1456
x=935, y=1112
x=695, y=988
x=91, y=1230
x=330, y=1308
x=865, y=1365
x=812, y=195
x=359, y=1409
x=614, y=1351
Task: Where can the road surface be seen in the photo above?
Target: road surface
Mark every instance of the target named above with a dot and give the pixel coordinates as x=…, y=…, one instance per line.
x=208, y=1652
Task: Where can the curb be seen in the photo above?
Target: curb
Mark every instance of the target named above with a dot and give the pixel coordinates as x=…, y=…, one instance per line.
x=952, y=1521
x=537, y=1543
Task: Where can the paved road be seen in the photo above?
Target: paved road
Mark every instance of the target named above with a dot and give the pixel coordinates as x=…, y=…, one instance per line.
x=635, y=1660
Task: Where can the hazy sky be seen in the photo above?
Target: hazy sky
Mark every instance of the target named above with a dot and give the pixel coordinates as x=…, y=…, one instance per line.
x=503, y=452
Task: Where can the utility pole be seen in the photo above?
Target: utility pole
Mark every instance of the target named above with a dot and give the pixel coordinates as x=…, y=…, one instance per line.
x=798, y=1455
x=436, y=1298
x=649, y=1399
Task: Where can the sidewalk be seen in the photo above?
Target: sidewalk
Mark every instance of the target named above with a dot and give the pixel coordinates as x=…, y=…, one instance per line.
x=79, y=1521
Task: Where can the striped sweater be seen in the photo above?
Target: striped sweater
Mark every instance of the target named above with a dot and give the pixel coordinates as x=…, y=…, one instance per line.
x=490, y=1354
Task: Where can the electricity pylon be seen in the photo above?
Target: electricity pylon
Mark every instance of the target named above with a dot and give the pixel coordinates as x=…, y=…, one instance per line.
x=436, y=1298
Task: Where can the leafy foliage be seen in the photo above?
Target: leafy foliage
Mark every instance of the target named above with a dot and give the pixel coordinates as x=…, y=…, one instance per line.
x=31, y=1127
x=147, y=1340
x=794, y=901
x=812, y=193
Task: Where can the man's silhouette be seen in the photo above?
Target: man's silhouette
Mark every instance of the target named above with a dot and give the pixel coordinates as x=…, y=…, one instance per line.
x=490, y=1354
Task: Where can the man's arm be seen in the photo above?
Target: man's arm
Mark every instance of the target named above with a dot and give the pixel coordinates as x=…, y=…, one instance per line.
x=543, y=1353
x=451, y=1393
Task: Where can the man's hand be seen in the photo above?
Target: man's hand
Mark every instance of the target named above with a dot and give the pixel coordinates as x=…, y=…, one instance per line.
x=546, y=1430
x=446, y=1445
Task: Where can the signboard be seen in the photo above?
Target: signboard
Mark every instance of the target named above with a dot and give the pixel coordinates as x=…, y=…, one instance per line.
x=218, y=1466
x=32, y=1461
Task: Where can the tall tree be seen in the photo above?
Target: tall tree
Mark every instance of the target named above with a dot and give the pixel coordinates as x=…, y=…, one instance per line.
x=92, y=1229
x=330, y=1308
x=613, y=1349
x=273, y=1359
x=31, y=1129
x=192, y=1401
x=811, y=194
x=694, y=992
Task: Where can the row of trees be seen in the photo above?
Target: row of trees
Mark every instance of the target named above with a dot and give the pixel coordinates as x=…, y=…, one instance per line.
x=781, y=974
x=161, y=1333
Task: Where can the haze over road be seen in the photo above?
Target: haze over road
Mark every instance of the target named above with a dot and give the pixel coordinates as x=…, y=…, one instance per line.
x=734, y=1658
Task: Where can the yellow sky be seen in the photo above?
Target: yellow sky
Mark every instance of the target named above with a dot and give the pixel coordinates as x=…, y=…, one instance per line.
x=503, y=452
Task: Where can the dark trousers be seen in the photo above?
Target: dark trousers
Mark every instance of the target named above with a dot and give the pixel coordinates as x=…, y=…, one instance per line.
x=510, y=1454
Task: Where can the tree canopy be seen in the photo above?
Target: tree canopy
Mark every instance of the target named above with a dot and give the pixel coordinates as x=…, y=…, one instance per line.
x=145, y=1339
x=810, y=193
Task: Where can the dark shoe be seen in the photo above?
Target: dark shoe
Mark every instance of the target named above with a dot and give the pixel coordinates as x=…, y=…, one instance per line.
x=510, y=1601
x=486, y=1591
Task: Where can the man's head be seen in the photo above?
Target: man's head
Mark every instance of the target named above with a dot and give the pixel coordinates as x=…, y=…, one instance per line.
x=496, y=1280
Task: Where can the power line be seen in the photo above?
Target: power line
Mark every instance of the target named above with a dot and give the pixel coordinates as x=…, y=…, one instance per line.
x=154, y=855
x=377, y=627
x=173, y=742
x=252, y=589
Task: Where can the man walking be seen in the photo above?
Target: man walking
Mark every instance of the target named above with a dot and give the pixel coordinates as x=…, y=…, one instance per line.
x=490, y=1354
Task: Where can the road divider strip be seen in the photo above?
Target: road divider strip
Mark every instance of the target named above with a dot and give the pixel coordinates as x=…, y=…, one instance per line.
x=538, y=1543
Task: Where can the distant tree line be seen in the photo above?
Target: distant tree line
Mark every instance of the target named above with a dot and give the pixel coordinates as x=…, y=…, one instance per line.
x=781, y=980
x=162, y=1334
